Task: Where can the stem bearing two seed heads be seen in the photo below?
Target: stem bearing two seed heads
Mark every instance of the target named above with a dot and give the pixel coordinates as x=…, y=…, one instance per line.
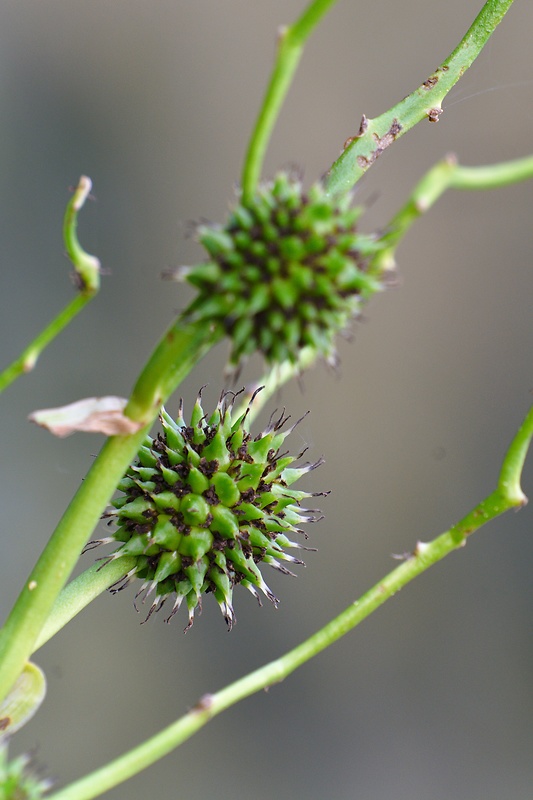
x=205, y=504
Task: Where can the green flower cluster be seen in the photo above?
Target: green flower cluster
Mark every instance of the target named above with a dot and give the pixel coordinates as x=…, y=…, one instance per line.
x=288, y=270
x=17, y=780
x=205, y=504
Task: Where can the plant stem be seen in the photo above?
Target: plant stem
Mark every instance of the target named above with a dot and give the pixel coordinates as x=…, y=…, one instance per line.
x=179, y=350
x=492, y=176
x=271, y=381
x=506, y=496
x=80, y=592
x=87, y=267
x=24, y=624
x=375, y=135
x=446, y=174
x=87, y=272
x=181, y=347
x=291, y=42
x=28, y=358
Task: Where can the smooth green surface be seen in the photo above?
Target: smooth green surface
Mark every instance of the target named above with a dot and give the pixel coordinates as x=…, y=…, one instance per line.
x=375, y=135
x=80, y=592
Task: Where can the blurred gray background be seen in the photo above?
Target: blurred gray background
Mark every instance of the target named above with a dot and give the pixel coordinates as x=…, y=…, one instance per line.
x=432, y=697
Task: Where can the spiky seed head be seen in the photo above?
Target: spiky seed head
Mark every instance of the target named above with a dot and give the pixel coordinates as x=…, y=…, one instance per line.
x=204, y=504
x=19, y=780
x=288, y=270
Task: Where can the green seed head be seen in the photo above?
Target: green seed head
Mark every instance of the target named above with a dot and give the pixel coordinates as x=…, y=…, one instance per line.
x=204, y=505
x=18, y=780
x=288, y=270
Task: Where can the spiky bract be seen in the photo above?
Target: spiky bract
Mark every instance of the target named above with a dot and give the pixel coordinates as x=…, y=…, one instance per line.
x=206, y=503
x=288, y=270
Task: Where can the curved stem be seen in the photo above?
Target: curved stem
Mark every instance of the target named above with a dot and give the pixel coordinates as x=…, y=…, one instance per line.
x=492, y=176
x=87, y=266
x=375, y=135
x=446, y=174
x=209, y=706
x=179, y=350
x=290, y=47
x=87, y=273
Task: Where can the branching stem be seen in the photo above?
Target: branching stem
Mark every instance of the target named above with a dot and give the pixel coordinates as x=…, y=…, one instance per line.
x=507, y=495
x=376, y=135
x=178, y=351
x=446, y=174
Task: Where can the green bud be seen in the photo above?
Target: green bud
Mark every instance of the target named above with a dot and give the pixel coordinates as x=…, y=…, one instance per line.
x=292, y=271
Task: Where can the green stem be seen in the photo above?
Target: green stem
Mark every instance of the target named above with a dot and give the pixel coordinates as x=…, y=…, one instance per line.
x=28, y=358
x=24, y=624
x=179, y=350
x=290, y=47
x=506, y=496
x=80, y=592
x=176, y=354
x=273, y=380
x=446, y=174
x=493, y=176
x=87, y=274
x=375, y=135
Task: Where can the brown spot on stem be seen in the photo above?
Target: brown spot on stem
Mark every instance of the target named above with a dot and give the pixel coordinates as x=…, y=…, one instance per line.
x=363, y=126
x=361, y=132
x=381, y=144
x=431, y=82
x=434, y=114
x=204, y=703
x=5, y=722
